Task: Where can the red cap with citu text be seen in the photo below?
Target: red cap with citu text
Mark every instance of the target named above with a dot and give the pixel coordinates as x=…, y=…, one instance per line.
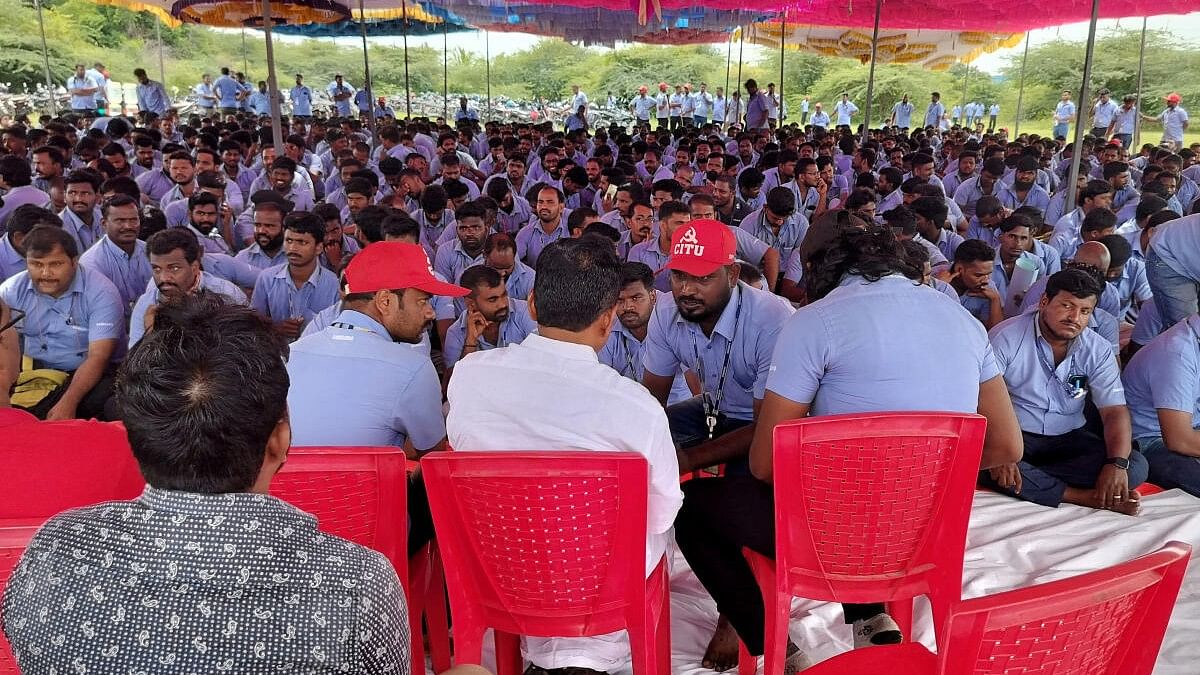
x=701, y=247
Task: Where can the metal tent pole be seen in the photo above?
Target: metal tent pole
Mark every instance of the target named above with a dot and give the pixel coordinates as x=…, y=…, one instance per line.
x=245, y=59
x=362, y=24
x=1021, y=89
x=728, y=63
x=445, y=72
x=407, y=90
x=871, y=76
x=46, y=59
x=272, y=84
x=1076, y=155
x=738, y=85
x=487, y=59
x=782, y=40
x=162, y=71
x=1137, y=105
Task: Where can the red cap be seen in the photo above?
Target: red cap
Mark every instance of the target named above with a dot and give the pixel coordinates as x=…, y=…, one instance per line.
x=701, y=247
x=394, y=265
x=1174, y=98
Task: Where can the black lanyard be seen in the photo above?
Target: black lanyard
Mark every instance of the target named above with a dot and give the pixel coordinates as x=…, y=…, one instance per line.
x=712, y=408
x=1072, y=390
x=628, y=358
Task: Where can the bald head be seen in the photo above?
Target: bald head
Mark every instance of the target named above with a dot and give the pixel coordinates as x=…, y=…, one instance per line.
x=1094, y=253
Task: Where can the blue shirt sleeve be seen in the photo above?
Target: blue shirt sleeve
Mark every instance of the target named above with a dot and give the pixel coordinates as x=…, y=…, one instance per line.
x=658, y=354
x=258, y=299
x=1104, y=376
x=106, y=318
x=801, y=353
x=456, y=337
x=418, y=411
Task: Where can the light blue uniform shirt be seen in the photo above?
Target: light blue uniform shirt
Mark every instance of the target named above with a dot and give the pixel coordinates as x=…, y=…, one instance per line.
x=254, y=256
x=1037, y=197
x=451, y=260
x=1036, y=386
x=383, y=392
x=277, y=298
x=225, y=266
x=933, y=114
x=20, y=196
x=259, y=103
x=1177, y=243
x=11, y=262
x=748, y=336
x=301, y=98
x=650, y=254
x=149, y=298
x=968, y=193
x=84, y=235
x=623, y=353
x=56, y=331
x=531, y=239
x=1133, y=285
x=155, y=184
x=128, y=272
x=515, y=328
x=1165, y=374
x=829, y=354
x=903, y=112
x=791, y=233
x=343, y=106
x=227, y=90
x=153, y=98
x=520, y=281
x=84, y=101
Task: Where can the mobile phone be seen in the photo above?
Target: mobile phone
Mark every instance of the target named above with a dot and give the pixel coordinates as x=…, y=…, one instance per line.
x=611, y=192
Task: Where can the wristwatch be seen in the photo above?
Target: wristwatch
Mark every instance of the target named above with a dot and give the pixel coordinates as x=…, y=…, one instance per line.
x=1121, y=463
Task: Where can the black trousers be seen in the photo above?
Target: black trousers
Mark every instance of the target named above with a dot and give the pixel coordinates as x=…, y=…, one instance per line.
x=719, y=517
x=420, y=521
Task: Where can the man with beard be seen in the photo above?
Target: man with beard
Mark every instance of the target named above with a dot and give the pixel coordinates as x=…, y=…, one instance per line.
x=724, y=331
x=641, y=226
x=622, y=203
x=290, y=294
x=451, y=170
x=500, y=254
x=181, y=168
x=386, y=390
x=730, y=210
x=202, y=221
x=74, y=323
x=119, y=255
x=1051, y=363
x=513, y=211
x=1024, y=190
x=655, y=252
x=47, y=167
x=81, y=218
x=467, y=249
x=283, y=181
x=971, y=277
x=550, y=225
x=231, y=166
x=175, y=266
x=176, y=212
x=269, y=211
x=987, y=183
x=491, y=320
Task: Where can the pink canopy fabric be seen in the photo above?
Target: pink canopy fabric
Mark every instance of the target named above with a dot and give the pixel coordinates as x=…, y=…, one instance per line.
x=997, y=16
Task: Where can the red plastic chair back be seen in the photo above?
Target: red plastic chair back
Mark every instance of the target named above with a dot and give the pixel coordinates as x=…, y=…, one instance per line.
x=356, y=493
x=874, y=507
x=1107, y=622
x=49, y=467
x=541, y=543
x=14, y=537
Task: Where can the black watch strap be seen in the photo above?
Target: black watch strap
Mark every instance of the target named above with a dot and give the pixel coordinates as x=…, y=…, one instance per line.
x=1121, y=463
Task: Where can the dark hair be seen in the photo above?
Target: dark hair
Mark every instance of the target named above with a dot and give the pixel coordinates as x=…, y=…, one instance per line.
x=901, y=218
x=477, y=276
x=28, y=216
x=974, y=250
x=859, y=198
x=434, y=199
x=1149, y=205
x=1164, y=216
x=471, y=210
x=369, y=221
x=781, y=201
x=305, y=222
x=192, y=421
x=1097, y=220
x=119, y=200
x=1093, y=189
x=84, y=176
x=172, y=238
x=672, y=207
x=1013, y=221
x=604, y=231
x=15, y=171
x=636, y=272
x=933, y=209
x=988, y=205
x=1115, y=169
x=202, y=199
x=577, y=217
x=577, y=281
x=1074, y=281
x=915, y=257
x=42, y=240
x=872, y=254
x=456, y=189
x=1119, y=249
x=358, y=186
x=994, y=166
x=397, y=224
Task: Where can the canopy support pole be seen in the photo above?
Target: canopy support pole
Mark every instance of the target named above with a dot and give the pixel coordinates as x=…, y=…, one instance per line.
x=46, y=60
x=728, y=63
x=1076, y=155
x=782, y=40
x=445, y=73
x=487, y=60
x=162, y=71
x=741, y=112
x=966, y=74
x=1021, y=89
x=245, y=60
x=272, y=83
x=1137, y=104
x=362, y=23
x=407, y=91
x=871, y=77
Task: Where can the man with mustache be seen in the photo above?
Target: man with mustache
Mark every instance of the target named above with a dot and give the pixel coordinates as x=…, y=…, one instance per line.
x=81, y=218
x=119, y=255
x=290, y=294
x=268, y=212
x=1051, y=363
x=175, y=257
x=73, y=323
x=467, y=249
x=492, y=319
x=550, y=224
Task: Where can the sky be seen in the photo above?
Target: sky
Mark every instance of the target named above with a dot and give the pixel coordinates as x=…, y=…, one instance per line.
x=1185, y=27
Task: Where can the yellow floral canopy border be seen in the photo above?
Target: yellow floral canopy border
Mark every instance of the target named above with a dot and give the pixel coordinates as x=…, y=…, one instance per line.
x=239, y=13
x=932, y=49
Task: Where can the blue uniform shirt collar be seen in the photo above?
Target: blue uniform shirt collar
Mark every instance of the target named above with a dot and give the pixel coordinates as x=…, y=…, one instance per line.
x=360, y=320
x=285, y=273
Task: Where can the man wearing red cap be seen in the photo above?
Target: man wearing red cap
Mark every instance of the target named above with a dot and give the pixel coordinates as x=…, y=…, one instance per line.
x=1174, y=120
x=386, y=390
x=642, y=105
x=662, y=104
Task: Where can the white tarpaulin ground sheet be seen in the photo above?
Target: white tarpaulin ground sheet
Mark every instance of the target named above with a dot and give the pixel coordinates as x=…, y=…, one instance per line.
x=1011, y=544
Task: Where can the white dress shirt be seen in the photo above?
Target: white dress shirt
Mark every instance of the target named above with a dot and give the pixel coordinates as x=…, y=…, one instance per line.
x=569, y=401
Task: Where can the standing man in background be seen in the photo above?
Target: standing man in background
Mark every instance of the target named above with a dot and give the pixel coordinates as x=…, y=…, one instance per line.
x=341, y=93
x=1064, y=114
x=151, y=96
x=993, y=113
x=206, y=95
x=902, y=114
x=844, y=110
x=100, y=77
x=301, y=98
x=83, y=92
x=1102, y=115
x=804, y=111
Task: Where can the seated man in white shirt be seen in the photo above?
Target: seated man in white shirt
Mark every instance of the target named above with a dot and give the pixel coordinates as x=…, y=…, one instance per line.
x=555, y=374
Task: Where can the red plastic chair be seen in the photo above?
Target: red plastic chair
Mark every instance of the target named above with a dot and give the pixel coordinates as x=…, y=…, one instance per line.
x=360, y=494
x=548, y=544
x=868, y=508
x=49, y=467
x=14, y=537
x=1107, y=622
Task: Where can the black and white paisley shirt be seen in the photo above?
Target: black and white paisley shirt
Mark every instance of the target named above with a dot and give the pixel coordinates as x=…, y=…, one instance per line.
x=177, y=582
